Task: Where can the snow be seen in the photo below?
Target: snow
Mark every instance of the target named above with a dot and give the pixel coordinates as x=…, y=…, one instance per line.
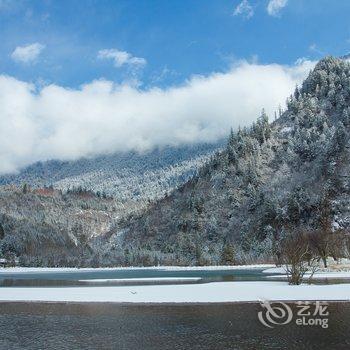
x=185, y=293
x=169, y=268
x=320, y=275
x=219, y=267
x=178, y=293
x=286, y=129
x=334, y=267
x=280, y=269
x=334, y=271
x=335, y=225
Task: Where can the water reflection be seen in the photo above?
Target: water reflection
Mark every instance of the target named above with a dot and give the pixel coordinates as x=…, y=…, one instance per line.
x=109, y=277
x=95, y=278
x=112, y=326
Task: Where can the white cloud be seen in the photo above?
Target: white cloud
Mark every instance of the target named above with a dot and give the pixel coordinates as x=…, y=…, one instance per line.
x=275, y=6
x=27, y=53
x=244, y=9
x=54, y=122
x=121, y=58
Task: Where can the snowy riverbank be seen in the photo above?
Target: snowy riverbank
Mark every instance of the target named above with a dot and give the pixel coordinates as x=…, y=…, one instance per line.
x=20, y=269
x=189, y=293
x=335, y=270
x=318, y=275
x=214, y=292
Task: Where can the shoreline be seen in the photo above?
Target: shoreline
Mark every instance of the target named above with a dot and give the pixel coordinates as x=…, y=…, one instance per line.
x=215, y=292
x=170, y=304
x=176, y=293
x=20, y=269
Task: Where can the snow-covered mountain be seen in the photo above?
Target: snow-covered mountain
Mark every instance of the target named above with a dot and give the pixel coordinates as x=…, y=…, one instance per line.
x=53, y=213
x=194, y=205
x=125, y=176
x=270, y=181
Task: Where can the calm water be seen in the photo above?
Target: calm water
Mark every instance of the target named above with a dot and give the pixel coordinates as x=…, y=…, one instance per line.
x=76, y=277
x=113, y=326
x=129, y=326
x=69, y=278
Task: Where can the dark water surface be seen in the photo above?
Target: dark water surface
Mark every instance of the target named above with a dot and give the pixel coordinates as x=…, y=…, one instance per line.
x=74, y=277
x=121, y=326
x=86, y=277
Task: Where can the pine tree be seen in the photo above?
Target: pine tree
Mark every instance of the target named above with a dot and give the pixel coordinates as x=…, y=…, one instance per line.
x=228, y=255
x=261, y=129
x=25, y=188
x=2, y=232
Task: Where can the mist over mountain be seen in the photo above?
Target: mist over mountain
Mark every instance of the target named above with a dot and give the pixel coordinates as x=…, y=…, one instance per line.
x=198, y=207
x=42, y=122
x=270, y=180
x=53, y=213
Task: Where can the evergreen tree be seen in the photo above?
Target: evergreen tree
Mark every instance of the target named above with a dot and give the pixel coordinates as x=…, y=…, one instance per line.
x=25, y=188
x=228, y=255
x=2, y=232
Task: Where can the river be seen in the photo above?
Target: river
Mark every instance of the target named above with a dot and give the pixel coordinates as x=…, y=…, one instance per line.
x=132, y=327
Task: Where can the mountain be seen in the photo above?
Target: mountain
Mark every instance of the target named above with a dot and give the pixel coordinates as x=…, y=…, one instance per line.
x=125, y=176
x=54, y=213
x=45, y=227
x=270, y=180
x=227, y=205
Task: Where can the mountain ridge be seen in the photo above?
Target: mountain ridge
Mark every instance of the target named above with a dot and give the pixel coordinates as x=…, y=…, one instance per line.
x=270, y=179
x=112, y=173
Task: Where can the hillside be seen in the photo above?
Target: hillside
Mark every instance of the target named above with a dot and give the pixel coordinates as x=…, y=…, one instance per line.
x=271, y=179
x=45, y=227
x=125, y=176
x=191, y=205
x=55, y=213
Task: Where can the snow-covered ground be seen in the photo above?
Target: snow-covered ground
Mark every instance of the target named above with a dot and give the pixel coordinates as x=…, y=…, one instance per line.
x=335, y=270
x=184, y=293
x=169, y=268
x=178, y=293
x=319, y=275
x=340, y=266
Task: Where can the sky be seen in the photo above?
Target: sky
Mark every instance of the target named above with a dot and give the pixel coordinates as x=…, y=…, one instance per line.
x=81, y=78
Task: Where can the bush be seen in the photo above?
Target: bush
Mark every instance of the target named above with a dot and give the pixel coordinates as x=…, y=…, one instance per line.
x=297, y=257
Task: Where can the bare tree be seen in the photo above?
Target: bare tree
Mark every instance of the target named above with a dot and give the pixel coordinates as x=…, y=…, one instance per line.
x=320, y=244
x=321, y=239
x=347, y=243
x=338, y=244
x=297, y=257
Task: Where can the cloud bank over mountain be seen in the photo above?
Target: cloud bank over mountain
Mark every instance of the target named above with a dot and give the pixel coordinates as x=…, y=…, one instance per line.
x=55, y=122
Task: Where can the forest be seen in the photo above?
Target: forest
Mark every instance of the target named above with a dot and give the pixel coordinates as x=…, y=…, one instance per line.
x=272, y=184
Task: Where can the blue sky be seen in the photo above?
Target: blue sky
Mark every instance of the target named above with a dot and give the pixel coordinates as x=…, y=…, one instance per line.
x=83, y=78
x=176, y=39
